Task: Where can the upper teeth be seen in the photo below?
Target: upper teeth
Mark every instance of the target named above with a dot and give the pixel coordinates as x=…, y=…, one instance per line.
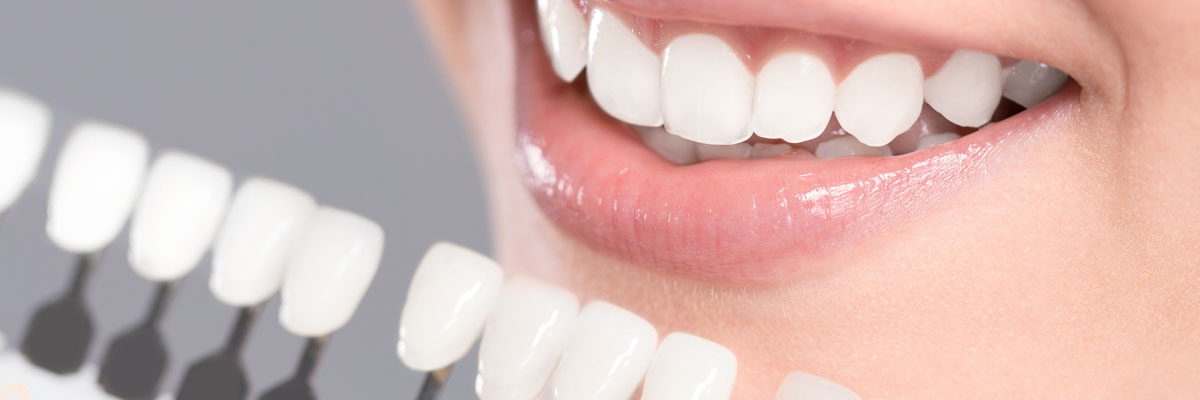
x=700, y=87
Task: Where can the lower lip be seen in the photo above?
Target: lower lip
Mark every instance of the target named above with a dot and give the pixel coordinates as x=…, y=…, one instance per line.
x=724, y=220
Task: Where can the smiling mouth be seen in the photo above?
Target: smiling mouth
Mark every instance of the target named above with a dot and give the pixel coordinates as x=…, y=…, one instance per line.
x=710, y=150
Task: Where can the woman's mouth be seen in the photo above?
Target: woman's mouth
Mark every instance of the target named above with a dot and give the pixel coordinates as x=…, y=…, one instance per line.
x=712, y=150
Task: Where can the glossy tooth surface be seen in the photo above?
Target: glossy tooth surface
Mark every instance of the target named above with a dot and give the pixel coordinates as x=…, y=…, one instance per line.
x=622, y=74
x=848, y=146
x=24, y=127
x=523, y=339
x=177, y=216
x=803, y=386
x=96, y=181
x=1029, y=83
x=687, y=367
x=565, y=35
x=452, y=293
x=881, y=98
x=926, y=142
x=741, y=151
x=767, y=150
x=793, y=98
x=251, y=250
x=328, y=273
x=707, y=93
x=967, y=88
x=673, y=148
x=607, y=355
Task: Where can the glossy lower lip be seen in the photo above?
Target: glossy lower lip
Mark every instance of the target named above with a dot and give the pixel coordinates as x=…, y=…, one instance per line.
x=725, y=220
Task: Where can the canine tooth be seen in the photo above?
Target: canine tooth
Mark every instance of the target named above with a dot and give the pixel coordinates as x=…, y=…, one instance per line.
x=800, y=385
x=565, y=35
x=673, y=148
x=707, y=152
x=687, y=367
x=768, y=150
x=24, y=127
x=793, y=98
x=96, y=181
x=926, y=142
x=848, y=146
x=451, y=295
x=1029, y=83
x=250, y=253
x=524, y=339
x=607, y=355
x=881, y=98
x=707, y=93
x=622, y=74
x=177, y=216
x=329, y=272
x=967, y=88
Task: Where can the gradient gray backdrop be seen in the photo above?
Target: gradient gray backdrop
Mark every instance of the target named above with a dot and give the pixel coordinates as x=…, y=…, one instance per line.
x=341, y=98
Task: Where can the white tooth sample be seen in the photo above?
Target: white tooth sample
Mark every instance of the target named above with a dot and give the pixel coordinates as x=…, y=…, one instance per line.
x=524, y=339
x=928, y=141
x=768, y=150
x=848, y=146
x=707, y=152
x=96, y=181
x=329, y=271
x=622, y=73
x=793, y=98
x=251, y=250
x=1029, y=83
x=673, y=148
x=881, y=98
x=804, y=386
x=452, y=293
x=687, y=367
x=177, y=216
x=607, y=355
x=24, y=127
x=565, y=35
x=967, y=89
x=707, y=93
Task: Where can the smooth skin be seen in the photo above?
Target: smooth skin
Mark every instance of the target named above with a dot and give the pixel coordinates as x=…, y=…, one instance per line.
x=1072, y=273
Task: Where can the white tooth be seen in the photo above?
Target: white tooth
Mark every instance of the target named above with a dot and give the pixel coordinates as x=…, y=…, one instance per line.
x=768, y=150
x=451, y=295
x=96, y=181
x=177, y=216
x=707, y=152
x=793, y=98
x=24, y=127
x=707, y=93
x=802, y=386
x=523, y=340
x=250, y=253
x=967, y=88
x=565, y=35
x=673, y=148
x=848, y=146
x=607, y=355
x=928, y=141
x=622, y=74
x=687, y=367
x=1029, y=83
x=881, y=98
x=329, y=271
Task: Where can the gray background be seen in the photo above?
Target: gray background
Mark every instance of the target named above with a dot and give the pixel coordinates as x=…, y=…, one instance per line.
x=342, y=98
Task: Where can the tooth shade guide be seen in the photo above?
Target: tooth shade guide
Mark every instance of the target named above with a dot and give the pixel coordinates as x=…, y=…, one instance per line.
x=220, y=375
x=63, y=352
x=135, y=362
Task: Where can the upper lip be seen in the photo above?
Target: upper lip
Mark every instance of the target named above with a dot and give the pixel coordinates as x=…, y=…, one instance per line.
x=734, y=220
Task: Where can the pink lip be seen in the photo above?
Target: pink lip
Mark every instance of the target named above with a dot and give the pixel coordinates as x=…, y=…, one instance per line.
x=726, y=220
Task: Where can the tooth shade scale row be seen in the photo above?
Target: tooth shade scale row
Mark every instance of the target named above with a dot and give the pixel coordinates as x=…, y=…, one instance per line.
x=523, y=339
x=24, y=127
x=687, y=367
x=703, y=92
